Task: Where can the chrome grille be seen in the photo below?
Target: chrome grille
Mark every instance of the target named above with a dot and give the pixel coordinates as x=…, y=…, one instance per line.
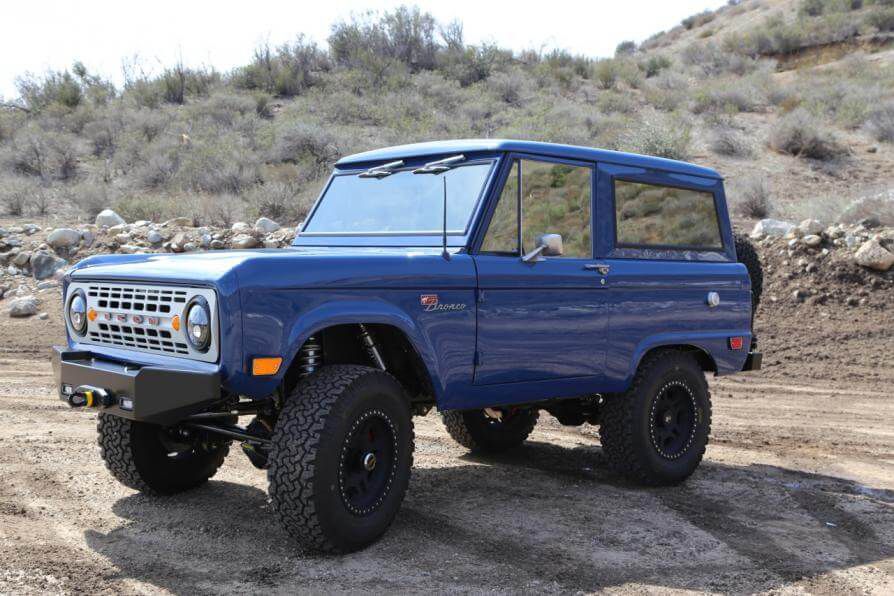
x=141, y=317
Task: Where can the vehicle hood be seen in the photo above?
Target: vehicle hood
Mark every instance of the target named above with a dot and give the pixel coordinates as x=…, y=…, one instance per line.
x=293, y=267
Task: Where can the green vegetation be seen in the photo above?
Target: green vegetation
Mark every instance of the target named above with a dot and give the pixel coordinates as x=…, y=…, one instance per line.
x=261, y=139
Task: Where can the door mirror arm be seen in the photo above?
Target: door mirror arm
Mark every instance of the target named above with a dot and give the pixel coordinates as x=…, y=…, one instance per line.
x=548, y=245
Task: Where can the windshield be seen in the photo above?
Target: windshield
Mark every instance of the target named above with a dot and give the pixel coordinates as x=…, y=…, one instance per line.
x=399, y=203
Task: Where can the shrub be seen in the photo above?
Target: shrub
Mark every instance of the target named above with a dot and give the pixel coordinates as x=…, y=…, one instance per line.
x=625, y=48
x=406, y=35
x=299, y=141
x=179, y=82
x=882, y=19
x=48, y=155
x=697, y=20
x=654, y=64
x=286, y=71
x=659, y=136
x=90, y=197
x=220, y=210
x=508, y=86
x=880, y=123
x=801, y=135
x=606, y=73
x=730, y=142
x=751, y=197
x=280, y=201
x=134, y=207
x=16, y=193
x=60, y=88
x=730, y=96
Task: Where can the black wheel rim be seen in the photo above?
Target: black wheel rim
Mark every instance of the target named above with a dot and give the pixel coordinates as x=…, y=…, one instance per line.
x=368, y=462
x=673, y=420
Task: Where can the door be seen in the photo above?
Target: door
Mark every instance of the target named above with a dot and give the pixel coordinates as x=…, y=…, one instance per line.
x=542, y=319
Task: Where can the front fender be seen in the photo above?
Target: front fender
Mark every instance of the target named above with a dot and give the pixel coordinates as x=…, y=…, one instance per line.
x=328, y=313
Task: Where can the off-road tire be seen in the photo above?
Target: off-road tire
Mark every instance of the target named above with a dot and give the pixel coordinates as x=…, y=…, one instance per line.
x=628, y=429
x=475, y=432
x=307, y=458
x=747, y=255
x=135, y=456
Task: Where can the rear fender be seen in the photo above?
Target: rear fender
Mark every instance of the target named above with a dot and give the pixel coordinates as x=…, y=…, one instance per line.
x=715, y=346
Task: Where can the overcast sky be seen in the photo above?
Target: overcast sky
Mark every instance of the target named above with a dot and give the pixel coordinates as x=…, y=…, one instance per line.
x=38, y=35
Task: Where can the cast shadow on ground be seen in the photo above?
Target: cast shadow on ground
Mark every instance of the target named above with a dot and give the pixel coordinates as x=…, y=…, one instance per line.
x=222, y=537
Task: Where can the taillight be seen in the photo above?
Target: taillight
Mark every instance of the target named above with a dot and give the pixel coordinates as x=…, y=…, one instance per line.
x=736, y=343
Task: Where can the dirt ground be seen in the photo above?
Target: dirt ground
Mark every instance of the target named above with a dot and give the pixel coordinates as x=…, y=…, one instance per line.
x=796, y=494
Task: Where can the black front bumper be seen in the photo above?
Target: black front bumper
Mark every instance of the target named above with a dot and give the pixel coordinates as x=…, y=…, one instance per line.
x=145, y=393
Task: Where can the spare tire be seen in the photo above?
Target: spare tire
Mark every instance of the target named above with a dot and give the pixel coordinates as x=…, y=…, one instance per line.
x=747, y=255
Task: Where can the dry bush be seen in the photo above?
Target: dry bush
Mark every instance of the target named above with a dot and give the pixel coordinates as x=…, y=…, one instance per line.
x=510, y=87
x=751, y=197
x=299, y=141
x=90, y=197
x=802, y=135
x=15, y=194
x=659, y=136
x=880, y=123
x=728, y=141
x=44, y=154
x=283, y=202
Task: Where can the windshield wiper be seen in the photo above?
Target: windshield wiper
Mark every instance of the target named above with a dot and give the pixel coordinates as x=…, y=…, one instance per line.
x=440, y=166
x=386, y=169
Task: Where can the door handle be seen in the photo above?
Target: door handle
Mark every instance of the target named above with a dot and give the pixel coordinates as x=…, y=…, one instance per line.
x=602, y=268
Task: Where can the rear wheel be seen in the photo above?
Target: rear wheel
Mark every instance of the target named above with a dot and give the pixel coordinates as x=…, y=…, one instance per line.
x=490, y=431
x=656, y=432
x=341, y=457
x=157, y=460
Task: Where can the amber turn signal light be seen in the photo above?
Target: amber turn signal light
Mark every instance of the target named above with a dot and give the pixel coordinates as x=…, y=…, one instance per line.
x=264, y=367
x=91, y=314
x=175, y=322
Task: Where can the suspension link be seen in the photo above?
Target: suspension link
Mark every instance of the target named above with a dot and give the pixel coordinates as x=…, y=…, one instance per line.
x=370, y=345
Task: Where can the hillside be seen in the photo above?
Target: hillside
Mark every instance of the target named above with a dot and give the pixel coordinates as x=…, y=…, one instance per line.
x=792, y=100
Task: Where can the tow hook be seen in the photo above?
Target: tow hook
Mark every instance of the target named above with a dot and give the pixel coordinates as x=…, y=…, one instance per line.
x=89, y=396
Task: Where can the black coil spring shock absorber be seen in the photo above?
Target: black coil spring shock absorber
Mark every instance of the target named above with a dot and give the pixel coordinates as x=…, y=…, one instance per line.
x=310, y=357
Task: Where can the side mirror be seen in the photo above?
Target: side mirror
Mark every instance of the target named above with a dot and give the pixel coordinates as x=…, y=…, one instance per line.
x=548, y=245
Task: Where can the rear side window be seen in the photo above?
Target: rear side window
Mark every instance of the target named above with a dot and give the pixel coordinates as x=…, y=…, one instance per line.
x=663, y=216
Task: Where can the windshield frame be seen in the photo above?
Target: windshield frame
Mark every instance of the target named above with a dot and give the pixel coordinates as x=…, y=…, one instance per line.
x=455, y=238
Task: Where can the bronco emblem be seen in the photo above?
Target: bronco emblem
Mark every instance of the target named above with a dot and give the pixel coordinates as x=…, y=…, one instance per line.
x=430, y=303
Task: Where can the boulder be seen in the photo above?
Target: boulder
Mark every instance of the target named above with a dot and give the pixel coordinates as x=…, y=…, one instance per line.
x=244, y=241
x=24, y=306
x=44, y=265
x=154, y=237
x=129, y=249
x=122, y=238
x=22, y=259
x=30, y=228
x=109, y=218
x=811, y=226
x=874, y=256
x=771, y=227
x=240, y=227
x=88, y=238
x=812, y=240
x=178, y=222
x=266, y=225
x=218, y=244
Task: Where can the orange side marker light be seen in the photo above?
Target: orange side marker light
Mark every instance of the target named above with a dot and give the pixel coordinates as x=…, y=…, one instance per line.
x=91, y=314
x=264, y=367
x=175, y=322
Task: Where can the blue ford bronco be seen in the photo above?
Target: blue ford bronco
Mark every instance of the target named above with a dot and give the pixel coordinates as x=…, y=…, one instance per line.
x=490, y=279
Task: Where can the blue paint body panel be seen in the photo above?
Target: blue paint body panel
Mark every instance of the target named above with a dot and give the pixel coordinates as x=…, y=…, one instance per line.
x=526, y=332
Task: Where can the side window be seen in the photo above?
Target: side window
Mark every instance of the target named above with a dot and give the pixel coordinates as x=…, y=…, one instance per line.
x=502, y=235
x=652, y=215
x=554, y=199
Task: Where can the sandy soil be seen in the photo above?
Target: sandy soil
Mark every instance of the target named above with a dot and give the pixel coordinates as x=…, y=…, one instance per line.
x=796, y=494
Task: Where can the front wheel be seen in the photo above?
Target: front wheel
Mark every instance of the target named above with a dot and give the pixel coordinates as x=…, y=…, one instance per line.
x=157, y=460
x=341, y=457
x=656, y=432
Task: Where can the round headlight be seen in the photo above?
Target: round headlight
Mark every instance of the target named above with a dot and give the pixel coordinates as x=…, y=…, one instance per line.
x=77, y=313
x=198, y=324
